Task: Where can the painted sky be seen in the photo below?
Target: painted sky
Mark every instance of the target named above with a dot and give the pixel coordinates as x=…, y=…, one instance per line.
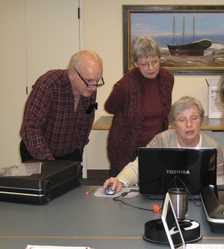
x=157, y=24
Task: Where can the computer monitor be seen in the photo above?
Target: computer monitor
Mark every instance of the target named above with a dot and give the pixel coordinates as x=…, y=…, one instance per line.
x=164, y=168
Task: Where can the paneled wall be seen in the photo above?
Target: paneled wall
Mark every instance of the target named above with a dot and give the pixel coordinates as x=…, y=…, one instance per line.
x=106, y=37
x=41, y=35
x=36, y=36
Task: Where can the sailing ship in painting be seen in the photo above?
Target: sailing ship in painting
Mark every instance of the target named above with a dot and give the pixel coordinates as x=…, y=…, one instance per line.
x=195, y=48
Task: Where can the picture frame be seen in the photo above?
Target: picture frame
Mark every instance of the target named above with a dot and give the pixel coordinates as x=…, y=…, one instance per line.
x=199, y=27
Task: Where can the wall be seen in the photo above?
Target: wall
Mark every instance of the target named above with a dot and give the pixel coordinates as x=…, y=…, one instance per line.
x=35, y=36
x=102, y=31
x=23, y=57
x=12, y=77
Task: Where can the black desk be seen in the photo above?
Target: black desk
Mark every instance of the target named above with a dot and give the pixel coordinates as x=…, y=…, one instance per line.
x=78, y=219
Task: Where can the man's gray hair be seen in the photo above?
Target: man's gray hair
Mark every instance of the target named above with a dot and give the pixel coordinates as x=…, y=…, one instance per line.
x=80, y=56
x=183, y=104
x=144, y=46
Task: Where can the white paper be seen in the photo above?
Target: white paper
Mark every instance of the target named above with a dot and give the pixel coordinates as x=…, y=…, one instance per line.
x=23, y=169
x=215, y=105
x=56, y=247
x=204, y=246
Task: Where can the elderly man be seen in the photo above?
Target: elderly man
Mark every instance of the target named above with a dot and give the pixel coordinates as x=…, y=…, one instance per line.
x=60, y=110
x=186, y=116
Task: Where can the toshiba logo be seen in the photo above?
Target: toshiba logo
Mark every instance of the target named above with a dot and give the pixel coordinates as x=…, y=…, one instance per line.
x=178, y=171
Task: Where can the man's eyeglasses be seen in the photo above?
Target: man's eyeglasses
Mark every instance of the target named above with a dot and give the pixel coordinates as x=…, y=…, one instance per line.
x=88, y=84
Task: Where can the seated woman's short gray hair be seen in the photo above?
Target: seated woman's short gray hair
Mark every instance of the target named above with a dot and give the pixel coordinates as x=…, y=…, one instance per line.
x=144, y=46
x=183, y=104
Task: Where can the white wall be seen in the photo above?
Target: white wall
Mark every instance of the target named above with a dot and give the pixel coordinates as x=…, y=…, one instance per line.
x=36, y=36
x=52, y=35
x=12, y=77
x=102, y=31
x=22, y=59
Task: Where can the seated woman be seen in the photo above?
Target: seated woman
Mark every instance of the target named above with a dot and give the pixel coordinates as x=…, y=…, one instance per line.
x=186, y=117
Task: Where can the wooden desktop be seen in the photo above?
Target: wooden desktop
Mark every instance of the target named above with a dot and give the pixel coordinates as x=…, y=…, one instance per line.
x=210, y=124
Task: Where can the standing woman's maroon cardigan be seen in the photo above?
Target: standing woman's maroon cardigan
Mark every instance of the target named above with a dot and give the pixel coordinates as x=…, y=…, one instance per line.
x=125, y=103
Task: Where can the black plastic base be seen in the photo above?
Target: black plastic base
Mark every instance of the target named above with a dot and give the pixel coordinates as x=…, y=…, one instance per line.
x=155, y=233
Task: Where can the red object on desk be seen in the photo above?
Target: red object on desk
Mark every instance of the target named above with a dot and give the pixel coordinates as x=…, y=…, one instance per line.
x=156, y=208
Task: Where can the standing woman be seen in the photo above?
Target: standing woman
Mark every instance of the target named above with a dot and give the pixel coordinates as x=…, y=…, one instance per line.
x=140, y=102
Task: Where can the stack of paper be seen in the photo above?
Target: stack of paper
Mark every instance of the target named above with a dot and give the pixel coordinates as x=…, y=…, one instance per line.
x=56, y=247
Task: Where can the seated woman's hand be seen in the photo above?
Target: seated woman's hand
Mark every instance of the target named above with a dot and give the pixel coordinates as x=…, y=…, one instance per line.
x=114, y=183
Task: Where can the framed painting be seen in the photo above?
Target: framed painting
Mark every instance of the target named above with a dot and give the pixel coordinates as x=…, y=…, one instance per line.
x=191, y=38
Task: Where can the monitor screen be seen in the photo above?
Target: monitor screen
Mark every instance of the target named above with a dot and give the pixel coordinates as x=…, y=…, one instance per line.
x=164, y=168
